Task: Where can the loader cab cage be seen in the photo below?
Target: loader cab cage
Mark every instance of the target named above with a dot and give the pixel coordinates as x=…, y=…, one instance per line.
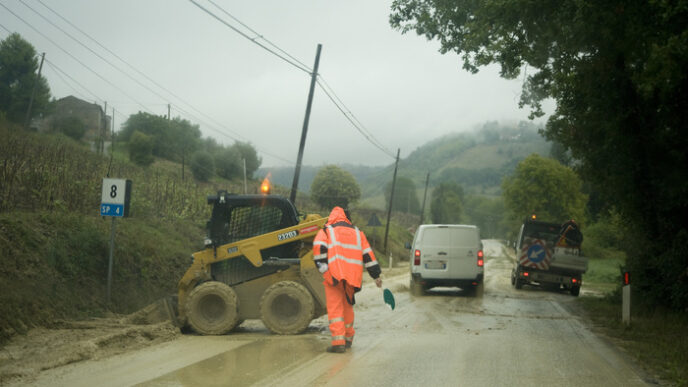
x=237, y=217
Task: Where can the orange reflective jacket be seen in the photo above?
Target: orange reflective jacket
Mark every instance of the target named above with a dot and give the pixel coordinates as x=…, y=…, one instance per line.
x=345, y=249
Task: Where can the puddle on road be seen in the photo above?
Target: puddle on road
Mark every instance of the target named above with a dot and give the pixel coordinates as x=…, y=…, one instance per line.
x=246, y=365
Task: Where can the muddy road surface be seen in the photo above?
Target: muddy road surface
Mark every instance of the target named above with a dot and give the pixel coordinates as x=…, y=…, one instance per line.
x=446, y=337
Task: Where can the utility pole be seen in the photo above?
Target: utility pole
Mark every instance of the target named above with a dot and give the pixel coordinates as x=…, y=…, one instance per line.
x=391, y=200
x=33, y=94
x=304, y=131
x=244, y=160
x=112, y=134
x=425, y=195
x=168, y=112
x=103, y=133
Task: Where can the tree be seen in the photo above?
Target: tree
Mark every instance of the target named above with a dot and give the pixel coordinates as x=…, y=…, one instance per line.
x=18, y=75
x=141, y=149
x=228, y=163
x=171, y=139
x=446, y=203
x=71, y=126
x=333, y=186
x=546, y=188
x=202, y=166
x=247, y=152
x=617, y=73
x=405, y=198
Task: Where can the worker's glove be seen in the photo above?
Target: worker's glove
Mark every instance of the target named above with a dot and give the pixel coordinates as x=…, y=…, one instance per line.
x=378, y=282
x=322, y=267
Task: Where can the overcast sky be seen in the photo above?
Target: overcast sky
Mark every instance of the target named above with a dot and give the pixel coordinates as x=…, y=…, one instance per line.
x=400, y=88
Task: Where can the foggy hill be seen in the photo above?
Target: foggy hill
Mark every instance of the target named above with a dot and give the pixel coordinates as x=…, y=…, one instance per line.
x=477, y=160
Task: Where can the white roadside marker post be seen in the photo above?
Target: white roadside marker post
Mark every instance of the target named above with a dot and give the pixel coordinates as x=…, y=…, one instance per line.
x=626, y=299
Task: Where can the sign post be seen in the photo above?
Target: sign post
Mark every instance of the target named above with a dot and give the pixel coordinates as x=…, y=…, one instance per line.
x=626, y=298
x=114, y=203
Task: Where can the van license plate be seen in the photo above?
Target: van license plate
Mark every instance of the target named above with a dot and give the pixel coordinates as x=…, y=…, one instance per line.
x=436, y=265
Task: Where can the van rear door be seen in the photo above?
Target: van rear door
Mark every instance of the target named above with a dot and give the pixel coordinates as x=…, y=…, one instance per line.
x=450, y=252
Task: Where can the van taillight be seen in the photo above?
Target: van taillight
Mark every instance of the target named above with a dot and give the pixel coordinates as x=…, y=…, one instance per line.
x=481, y=262
x=416, y=258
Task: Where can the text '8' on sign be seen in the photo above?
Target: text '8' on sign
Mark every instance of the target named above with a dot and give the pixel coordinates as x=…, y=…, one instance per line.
x=115, y=197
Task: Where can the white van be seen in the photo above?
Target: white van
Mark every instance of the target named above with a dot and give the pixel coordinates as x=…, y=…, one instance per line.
x=446, y=255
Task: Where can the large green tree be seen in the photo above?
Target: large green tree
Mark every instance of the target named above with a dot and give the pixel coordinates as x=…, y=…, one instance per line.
x=617, y=71
x=18, y=75
x=333, y=186
x=405, y=197
x=248, y=153
x=446, y=204
x=172, y=139
x=544, y=187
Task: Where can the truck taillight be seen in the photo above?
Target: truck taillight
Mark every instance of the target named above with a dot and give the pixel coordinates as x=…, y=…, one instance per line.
x=416, y=258
x=481, y=261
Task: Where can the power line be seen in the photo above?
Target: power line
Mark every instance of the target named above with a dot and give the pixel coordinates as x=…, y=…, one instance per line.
x=140, y=73
x=59, y=73
x=331, y=94
x=258, y=35
x=351, y=120
x=355, y=121
x=5, y=28
x=211, y=13
x=72, y=56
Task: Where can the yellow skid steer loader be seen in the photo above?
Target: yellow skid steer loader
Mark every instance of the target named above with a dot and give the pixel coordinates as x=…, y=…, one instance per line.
x=257, y=264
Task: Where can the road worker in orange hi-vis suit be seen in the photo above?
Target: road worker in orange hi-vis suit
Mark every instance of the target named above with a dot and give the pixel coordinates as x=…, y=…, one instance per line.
x=341, y=251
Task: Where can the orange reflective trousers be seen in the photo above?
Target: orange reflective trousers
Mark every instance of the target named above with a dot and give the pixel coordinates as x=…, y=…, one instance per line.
x=340, y=312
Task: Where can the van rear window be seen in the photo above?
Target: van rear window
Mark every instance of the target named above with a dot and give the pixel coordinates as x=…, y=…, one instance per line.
x=450, y=235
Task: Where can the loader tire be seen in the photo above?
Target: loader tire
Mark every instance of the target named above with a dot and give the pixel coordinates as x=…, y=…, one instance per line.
x=287, y=308
x=212, y=308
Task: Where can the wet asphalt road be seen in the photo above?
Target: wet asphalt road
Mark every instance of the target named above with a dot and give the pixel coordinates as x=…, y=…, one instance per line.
x=444, y=338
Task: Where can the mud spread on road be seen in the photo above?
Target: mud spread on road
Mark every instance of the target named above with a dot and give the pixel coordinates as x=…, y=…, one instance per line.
x=67, y=342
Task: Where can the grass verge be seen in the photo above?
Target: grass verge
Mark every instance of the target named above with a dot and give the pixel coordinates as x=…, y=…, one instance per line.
x=657, y=339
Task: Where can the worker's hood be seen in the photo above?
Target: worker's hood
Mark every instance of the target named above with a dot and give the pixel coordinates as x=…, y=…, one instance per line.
x=337, y=215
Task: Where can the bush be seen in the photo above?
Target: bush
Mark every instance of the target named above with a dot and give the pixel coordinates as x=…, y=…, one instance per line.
x=202, y=166
x=228, y=163
x=71, y=126
x=141, y=149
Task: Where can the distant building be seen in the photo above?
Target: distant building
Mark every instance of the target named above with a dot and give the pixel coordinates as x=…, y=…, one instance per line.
x=98, y=124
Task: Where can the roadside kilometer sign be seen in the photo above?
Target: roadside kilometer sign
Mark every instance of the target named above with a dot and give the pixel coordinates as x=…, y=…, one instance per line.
x=535, y=255
x=115, y=197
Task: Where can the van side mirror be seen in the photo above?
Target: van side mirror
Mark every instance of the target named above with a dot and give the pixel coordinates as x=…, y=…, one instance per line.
x=407, y=246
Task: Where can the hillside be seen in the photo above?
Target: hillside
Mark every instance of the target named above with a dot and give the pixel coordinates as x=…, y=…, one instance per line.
x=477, y=160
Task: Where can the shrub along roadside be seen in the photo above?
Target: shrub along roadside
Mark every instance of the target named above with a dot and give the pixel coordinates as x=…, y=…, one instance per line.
x=54, y=265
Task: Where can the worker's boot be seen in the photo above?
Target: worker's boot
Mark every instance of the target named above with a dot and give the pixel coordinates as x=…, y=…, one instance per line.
x=348, y=344
x=336, y=349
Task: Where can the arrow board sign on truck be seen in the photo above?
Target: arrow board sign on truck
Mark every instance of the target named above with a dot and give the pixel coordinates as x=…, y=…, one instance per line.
x=536, y=255
x=115, y=197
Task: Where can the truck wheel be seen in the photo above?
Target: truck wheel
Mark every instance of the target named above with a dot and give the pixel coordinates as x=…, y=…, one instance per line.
x=287, y=308
x=416, y=288
x=575, y=291
x=212, y=308
x=478, y=290
x=518, y=282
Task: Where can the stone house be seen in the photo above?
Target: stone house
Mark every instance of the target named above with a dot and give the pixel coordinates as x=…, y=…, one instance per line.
x=98, y=124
